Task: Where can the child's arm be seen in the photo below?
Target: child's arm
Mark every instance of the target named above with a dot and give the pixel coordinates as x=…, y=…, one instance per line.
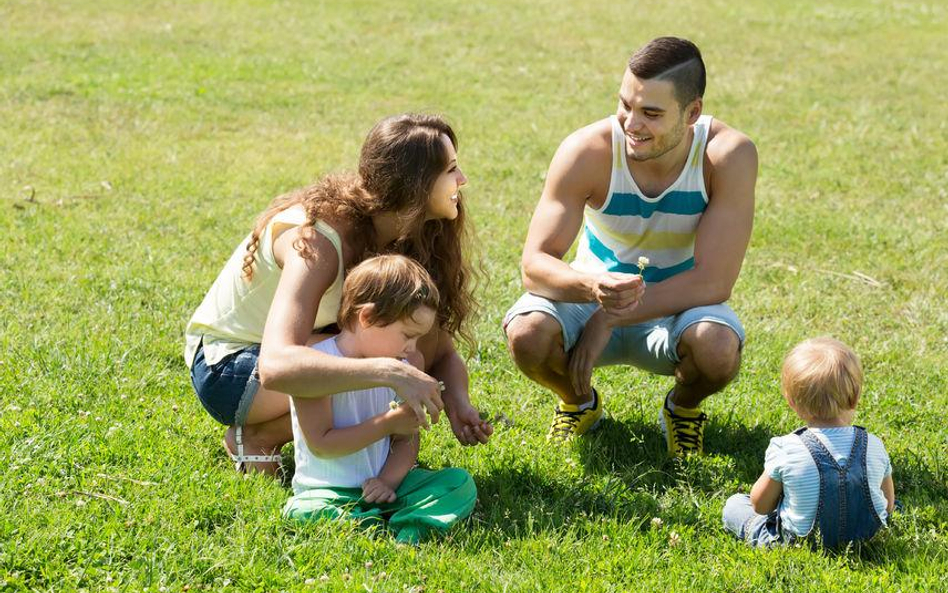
x=401, y=458
x=765, y=494
x=315, y=417
x=888, y=490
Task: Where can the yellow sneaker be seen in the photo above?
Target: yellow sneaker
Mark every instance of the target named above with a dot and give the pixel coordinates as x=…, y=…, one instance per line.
x=686, y=436
x=570, y=421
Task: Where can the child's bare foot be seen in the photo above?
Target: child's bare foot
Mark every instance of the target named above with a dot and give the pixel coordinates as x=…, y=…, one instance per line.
x=255, y=456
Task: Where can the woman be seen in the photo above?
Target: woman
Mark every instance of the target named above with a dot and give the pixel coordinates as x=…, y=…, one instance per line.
x=248, y=342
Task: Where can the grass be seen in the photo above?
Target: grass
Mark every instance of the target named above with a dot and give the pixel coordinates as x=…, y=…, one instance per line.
x=139, y=140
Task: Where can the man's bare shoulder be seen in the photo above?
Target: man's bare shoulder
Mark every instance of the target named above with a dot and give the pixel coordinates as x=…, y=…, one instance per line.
x=729, y=148
x=589, y=143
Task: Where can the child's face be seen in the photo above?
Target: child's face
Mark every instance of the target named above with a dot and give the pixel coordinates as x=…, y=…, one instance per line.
x=398, y=339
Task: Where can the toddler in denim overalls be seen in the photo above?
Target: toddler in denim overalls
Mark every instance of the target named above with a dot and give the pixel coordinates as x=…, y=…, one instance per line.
x=829, y=475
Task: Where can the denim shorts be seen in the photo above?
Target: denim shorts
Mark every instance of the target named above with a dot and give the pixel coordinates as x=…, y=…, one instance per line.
x=651, y=346
x=227, y=388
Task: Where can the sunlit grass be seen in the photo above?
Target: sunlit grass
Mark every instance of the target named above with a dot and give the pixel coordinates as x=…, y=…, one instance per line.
x=139, y=140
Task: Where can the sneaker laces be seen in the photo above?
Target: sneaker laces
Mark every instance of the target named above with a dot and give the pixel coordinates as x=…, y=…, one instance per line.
x=688, y=431
x=564, y=423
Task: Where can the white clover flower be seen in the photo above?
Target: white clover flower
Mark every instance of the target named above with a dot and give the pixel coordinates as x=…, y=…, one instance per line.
x=643, y=261
x=656, y=522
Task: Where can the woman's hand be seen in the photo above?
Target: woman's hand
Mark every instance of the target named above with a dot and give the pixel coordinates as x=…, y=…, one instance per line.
x=467, y=425
x=587, y=351
x=375, y=490
x=420, y=392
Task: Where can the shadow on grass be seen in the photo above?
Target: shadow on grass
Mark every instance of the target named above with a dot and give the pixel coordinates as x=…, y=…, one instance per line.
x=518, y=502
x=636, y=452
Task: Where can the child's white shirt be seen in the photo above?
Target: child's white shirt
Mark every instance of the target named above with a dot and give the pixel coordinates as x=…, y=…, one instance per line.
x=348, y=409
x=788, y=460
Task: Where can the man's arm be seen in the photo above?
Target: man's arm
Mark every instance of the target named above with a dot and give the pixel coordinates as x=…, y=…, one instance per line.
x=721, y=240
x=582, y=161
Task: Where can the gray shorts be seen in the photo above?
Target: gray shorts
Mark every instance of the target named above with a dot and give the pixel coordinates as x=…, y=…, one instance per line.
x=651, y=346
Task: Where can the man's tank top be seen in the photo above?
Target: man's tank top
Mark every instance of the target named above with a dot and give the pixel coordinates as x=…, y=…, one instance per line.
x=234, y=310
x=630, y=224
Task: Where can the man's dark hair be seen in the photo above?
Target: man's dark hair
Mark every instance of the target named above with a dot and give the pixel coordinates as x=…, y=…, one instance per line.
x=674, y=59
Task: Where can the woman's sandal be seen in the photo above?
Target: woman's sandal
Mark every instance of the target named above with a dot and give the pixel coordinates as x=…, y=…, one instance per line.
x=239, y=458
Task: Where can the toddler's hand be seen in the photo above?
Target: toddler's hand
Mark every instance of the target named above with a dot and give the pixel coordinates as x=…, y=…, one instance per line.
x=402, y=420
x=375, y=490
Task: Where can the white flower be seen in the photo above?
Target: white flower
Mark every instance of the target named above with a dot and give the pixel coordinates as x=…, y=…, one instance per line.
x=656, y=522
x=643, y=261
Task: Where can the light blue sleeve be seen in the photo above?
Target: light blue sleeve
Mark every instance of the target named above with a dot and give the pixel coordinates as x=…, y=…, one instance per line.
x=775, y=459
x=877, y=449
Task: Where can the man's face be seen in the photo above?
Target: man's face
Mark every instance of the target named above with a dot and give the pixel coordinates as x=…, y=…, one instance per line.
x=653, y=121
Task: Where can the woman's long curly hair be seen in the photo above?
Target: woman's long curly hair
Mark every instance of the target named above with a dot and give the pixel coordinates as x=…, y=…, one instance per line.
x=401, y=160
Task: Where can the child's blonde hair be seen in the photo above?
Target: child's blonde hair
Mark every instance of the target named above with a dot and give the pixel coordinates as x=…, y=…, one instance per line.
x=822, y=378
x=395, y=285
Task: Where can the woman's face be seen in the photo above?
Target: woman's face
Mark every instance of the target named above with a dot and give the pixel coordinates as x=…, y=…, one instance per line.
x=443, y=202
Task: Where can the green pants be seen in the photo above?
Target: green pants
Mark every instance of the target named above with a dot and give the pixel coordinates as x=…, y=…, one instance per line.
x=427, y=501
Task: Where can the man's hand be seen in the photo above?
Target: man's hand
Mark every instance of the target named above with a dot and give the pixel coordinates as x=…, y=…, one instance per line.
x=375, y=490
x=617, y=292
x=467, y=425
x=419, y=391
x=587, y=351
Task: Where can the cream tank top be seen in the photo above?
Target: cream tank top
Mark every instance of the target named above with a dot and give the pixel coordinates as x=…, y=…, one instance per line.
x=234, y=311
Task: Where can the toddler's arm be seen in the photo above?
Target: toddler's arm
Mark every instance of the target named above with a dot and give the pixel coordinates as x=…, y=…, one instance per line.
x=315, y=416
x=401, y=458
x=888, y=490
x=765, y=494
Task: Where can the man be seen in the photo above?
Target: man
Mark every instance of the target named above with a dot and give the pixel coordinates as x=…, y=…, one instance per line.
x=656, y=181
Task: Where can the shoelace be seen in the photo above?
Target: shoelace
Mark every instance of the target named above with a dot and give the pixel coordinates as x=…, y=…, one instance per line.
x=688, y=431
x=565, y=422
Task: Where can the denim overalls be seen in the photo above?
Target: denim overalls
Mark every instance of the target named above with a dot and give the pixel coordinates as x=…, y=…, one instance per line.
x=845, y=512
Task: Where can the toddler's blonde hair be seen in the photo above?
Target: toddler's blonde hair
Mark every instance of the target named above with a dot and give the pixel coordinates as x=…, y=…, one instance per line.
x=822, y=378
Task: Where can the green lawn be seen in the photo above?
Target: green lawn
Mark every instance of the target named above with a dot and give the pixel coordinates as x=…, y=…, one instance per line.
x=138, y=140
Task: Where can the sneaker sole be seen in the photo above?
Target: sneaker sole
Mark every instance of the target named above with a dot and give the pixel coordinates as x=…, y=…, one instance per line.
x=596, y=424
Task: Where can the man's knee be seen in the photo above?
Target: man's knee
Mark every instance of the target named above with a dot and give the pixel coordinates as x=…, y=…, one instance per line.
x=714, y=350
x=532, y=339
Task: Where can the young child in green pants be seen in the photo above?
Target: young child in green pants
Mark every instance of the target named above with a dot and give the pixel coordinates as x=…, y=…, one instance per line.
x=356, y=450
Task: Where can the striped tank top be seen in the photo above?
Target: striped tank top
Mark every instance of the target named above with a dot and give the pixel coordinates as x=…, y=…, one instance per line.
x=630, y=224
